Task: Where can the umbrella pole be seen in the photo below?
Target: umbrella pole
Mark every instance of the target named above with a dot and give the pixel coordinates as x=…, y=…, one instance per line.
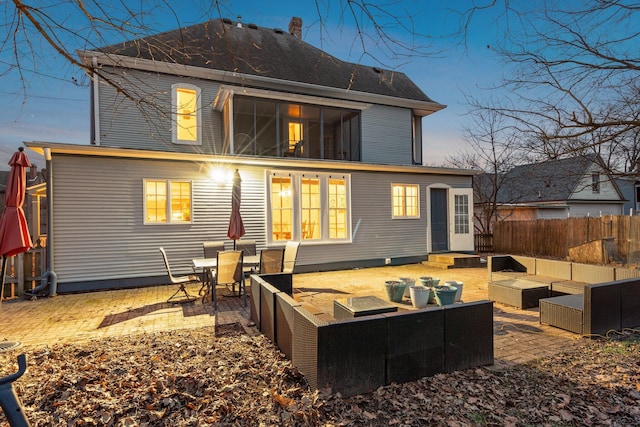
x=4, y=270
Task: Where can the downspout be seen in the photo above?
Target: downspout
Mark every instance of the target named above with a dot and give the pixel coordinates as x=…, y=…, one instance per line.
x=95, y=101
x=49, y=278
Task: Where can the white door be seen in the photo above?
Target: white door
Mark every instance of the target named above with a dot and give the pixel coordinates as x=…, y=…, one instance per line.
x=461, y=219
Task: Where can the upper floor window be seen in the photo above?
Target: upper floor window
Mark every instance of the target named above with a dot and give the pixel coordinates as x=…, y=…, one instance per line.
x=308, y=207
x=277, y=128
x=595, y=182
x=186, y=114
x=405, y=200
x=167, y=201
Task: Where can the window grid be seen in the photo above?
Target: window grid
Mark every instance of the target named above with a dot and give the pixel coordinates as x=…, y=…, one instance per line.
x=281, y=208
x=405, y=200
x=310, y=208
x=461, y=214
x=337, y=209
x=186, y=114
x=167, y=201
x=317, y=207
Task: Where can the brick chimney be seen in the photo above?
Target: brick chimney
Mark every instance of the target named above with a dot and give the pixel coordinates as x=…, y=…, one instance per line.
x=295, y=27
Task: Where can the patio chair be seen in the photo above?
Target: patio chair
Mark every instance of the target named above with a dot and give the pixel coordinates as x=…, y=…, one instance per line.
x=181, y=281
x=211, y=249
x=271, y=261
x=228, y=272
x=290, y=255
x=248, y=247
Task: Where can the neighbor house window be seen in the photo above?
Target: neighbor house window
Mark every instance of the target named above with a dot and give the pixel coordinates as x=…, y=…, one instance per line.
x=595, y=182
x=167, y=201
x=308, y=207
x=461, y=214
x=187, y=123
x=405, y=200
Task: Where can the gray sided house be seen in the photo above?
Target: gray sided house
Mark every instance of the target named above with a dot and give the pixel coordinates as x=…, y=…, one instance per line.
x=572, y=187
x=329, y=152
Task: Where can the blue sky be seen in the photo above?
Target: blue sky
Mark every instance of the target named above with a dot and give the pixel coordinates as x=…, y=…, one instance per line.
x=51, y=107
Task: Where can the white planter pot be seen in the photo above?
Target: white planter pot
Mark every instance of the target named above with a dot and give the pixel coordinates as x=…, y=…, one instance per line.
x=410, y=282
x=458, y=286
x=419, y=296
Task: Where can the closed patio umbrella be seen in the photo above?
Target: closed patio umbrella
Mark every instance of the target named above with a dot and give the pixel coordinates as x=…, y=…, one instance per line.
x=236, y=226
x=14, y=232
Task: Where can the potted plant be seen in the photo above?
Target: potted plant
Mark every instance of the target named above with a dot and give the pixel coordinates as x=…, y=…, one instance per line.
x=419, y=296
x=430, y=282
x=410, y=282
x=395, y=290
x=445, y=294
x=458, y=286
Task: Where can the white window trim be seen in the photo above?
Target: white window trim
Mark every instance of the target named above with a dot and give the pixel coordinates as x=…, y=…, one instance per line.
x=404, y=184
x=296, y=234
x=468, y=215
x=174, y=114
x=168, y=201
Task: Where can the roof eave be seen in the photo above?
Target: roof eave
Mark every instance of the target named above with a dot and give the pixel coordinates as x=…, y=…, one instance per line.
x=420, y=108
x=92, y=150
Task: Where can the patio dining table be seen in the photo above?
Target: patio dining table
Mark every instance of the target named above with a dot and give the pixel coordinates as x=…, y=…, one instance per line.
x=208, y=264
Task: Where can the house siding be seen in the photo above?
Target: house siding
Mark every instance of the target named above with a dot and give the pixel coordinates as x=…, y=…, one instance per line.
x=387, y=135
x=583, y=191
x=148, y=127
x=108, y=241
x=386, y=131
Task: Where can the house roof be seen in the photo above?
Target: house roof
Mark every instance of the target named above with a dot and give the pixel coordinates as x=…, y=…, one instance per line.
x=269, y=53
x=549, y=181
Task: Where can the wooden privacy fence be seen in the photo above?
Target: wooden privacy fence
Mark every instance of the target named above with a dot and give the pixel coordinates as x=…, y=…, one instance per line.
x=24, y=272
x=483, y=243
x=553, y=237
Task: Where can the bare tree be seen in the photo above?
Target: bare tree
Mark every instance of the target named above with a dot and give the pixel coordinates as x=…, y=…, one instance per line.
x=575, y=81
x=37, y=32
x=494, y=149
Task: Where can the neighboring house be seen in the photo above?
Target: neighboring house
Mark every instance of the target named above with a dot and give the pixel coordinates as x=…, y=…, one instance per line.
x=572, y=187
x=329, y=152
x=630, y=189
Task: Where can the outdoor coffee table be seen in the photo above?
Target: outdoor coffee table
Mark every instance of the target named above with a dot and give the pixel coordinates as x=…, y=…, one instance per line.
x=346, y=308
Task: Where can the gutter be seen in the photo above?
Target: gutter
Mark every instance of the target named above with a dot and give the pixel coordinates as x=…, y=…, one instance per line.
x=338, y=165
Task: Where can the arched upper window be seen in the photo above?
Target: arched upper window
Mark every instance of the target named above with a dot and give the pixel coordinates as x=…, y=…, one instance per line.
x=186, y=114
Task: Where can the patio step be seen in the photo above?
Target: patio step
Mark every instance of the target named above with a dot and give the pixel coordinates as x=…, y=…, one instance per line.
x=454, y=260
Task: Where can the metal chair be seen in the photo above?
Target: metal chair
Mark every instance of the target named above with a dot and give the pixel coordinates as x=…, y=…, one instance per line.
x=228, y=272
x=211, y=249
x=181, y=281
x=290, y=256
x=248, y=247
x=271, y=261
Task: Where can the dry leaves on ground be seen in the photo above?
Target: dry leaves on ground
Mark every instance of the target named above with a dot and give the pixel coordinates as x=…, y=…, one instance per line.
x=193, y=378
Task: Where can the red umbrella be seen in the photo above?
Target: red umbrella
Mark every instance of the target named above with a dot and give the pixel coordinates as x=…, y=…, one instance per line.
x=236, y=227
x=14, y=232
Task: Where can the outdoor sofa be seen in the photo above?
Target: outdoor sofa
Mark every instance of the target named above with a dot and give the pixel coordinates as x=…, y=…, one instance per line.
x=601, y=308
x=357, y=355
x=521, y=281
